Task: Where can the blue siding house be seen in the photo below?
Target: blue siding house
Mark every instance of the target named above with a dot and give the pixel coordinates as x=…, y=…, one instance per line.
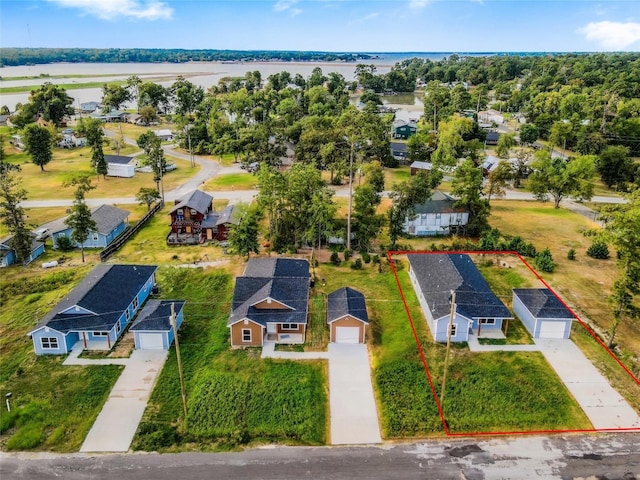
x=435, y=276
x=152, y=329
x=110, y=223
x=97, y=311
x=8, y=254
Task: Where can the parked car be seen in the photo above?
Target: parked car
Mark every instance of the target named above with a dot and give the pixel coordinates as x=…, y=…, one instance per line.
x=42, y=234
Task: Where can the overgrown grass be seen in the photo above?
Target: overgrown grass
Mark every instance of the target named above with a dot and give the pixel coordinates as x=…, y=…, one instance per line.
x=53, y=406
x=517, y=334
x=317, y=336
x=273, y=387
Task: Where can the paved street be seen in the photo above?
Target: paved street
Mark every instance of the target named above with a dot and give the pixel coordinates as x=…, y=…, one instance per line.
x=118, y=420
x=593, y=456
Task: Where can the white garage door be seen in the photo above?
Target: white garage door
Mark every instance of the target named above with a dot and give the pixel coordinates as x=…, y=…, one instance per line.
x=551, y=330
x=151, y=341
x=347, y=335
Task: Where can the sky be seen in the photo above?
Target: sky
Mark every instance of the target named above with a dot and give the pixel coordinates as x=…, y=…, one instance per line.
x=325, y=25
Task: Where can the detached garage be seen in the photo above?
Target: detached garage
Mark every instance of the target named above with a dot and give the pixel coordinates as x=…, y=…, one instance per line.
x=152, y=329
x=347, y=316
x=542, y=313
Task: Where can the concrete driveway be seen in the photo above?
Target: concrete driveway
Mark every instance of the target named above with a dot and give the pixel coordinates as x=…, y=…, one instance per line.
x=605, y=407
x=354, y=418
x=118, y=421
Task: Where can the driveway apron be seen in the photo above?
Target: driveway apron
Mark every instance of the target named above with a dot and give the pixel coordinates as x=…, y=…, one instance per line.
x=354, y=418
x=604, y=406
x=117, y=423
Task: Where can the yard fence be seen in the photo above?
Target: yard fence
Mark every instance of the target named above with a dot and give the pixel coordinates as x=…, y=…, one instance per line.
x=128, y=233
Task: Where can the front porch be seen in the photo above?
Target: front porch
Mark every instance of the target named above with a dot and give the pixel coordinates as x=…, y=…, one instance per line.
x=484, y=332
x=284, y=338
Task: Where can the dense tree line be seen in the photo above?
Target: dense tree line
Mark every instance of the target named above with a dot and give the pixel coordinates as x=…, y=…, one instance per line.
x=26, y=56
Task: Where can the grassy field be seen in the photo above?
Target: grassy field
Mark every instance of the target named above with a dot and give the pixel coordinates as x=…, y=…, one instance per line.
x=53, y=407
x=231, y=181
x=234, y=396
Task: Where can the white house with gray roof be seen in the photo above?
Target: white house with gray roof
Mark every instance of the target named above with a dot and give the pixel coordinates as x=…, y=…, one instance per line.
x=435, y=276
x=110, y=223
x=544, y=315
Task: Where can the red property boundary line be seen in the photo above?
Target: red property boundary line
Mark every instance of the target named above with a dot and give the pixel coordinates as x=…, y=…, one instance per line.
x=428, y=373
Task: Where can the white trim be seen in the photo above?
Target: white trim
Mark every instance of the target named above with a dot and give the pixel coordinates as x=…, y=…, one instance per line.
x=245, y=319
x=486, y=321
x=290, y=326
x=272, y=300
x=242, y=334
x=100, y=334
x=50, y=341
x=347, y=315
x=454, y=329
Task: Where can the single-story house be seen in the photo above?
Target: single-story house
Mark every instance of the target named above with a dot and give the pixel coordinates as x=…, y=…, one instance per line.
x=110, y=223
x=8, y=254
x=435, y=276
x=89, y=107
x=152, y=329
x=492, y=138
x=270, y=302
x=193, y=220
x=544, y=315
x=97, y=311
x=347, y=316
x=112, y=116
x=136, y=119
x=165, y=135
x=120, y=166
x=403, y=129
x=437, y=216
x=399, y=151
x=419, y=167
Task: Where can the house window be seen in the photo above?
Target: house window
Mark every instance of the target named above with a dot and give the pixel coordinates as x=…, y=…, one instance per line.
x=95, y=237
x=118, y=327
x=135, y=302
x=49, y=343
x=289, y=326
x=100, y=334
x=246, y=335
x=180, y=212
x=487, y=321
x=127, y=315
x=453, y=329
x=193, y=212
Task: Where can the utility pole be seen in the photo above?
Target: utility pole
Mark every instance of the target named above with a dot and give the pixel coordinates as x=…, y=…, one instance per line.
x=452, y=314
x=350, y=197
x=172, y=319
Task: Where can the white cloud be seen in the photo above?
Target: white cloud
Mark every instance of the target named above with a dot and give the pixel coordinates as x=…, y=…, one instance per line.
x=282, y=5
x=418, y=3
x=612, y=35
x=110, y=9
x=366, y=18
x=295, y=11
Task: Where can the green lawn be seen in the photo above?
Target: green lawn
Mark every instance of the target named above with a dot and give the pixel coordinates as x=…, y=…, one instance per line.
x=53, y=406
x=231, y=181
x=234, y=396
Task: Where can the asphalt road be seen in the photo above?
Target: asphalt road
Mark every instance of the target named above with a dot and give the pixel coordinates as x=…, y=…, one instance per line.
x=594, y=456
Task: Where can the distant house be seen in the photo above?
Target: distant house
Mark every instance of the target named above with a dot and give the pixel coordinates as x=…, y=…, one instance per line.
x=120, y=166
x=89, y=107
x=16, y=141
x=492, y=138
x=347, y=316
x=192, y=220
x=111, y=116
x=69, y=140
x=416, y=167
x=164, y=135
x=403, y=129
x=97, y=311
x=490, y=116
x=225, y=220
x=8, y=254
x=437, y=216
x=110, y=223
x=136, y=119
x=434, y=276
x=270, y=302
x=399, y=151
x=152, y=329
x=3, y=120
x=542, y=313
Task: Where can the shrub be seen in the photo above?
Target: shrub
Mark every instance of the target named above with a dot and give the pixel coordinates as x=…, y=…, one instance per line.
x=366, y=258
x=376, y=259
x=571, y=254
x=598, y=250
x=347, y=254
x=356, y=264
x=544, y=261
x=26, y=438
x=335, y=258
x=64, y=243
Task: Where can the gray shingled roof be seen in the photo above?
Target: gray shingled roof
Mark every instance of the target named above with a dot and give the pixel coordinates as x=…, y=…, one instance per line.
x=227, y=215
x=421, y=165
x=106, y=291
x=542, y=303
x=155, y=315
x=198, y=200
x=346, y=301
x=285, y=280
x=119, y=159
x=439, y=273
x=106, y=217
x=439, y=203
